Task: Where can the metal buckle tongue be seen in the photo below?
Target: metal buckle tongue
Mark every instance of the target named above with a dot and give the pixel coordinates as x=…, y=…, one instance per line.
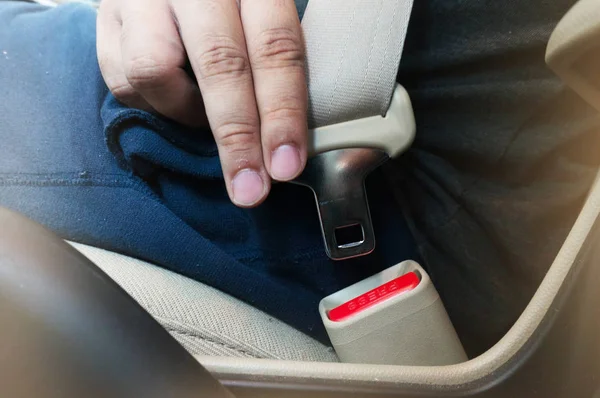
x=341, y=156
x=337, y=179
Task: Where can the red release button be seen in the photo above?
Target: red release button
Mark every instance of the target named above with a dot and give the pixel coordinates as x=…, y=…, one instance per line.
x=388, y=290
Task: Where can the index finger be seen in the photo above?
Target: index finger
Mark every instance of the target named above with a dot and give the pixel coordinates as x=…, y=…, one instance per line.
x=276, y=51
x=214, y=40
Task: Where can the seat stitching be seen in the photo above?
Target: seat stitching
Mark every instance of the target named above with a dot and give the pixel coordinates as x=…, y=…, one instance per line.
x=237, y=349
x=207, y=331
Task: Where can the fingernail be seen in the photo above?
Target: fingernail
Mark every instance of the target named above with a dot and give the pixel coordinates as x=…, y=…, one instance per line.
x=248, y=187
x=285, y=162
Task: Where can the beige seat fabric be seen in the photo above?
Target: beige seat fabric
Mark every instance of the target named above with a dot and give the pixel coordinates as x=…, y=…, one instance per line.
x=205, y=320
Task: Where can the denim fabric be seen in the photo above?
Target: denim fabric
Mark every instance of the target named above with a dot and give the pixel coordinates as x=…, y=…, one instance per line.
x=96, y=172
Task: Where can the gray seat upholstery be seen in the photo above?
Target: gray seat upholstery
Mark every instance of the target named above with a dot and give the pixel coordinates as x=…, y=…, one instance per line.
x=205, y=320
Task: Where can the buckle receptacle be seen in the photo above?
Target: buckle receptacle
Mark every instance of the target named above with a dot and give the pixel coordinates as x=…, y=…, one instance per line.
x=395, y=317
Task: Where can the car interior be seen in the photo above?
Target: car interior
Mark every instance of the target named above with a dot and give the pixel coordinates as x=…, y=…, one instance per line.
x=99, y=323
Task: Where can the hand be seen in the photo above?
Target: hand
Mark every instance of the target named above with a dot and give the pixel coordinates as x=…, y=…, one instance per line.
x=249, y=65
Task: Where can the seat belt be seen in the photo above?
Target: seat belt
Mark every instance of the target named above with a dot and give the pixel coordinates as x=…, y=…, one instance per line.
x=358, y=115
x=353, y=50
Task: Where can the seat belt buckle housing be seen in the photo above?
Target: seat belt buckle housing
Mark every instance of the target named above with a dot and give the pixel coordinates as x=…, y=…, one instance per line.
x=341, y=156
x=395, y=317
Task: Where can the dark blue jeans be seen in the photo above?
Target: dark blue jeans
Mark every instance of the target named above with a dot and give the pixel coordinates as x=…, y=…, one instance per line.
x=502, y=161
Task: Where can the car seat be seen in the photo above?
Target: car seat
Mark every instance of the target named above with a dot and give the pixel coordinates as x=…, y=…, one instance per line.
x=204, y=320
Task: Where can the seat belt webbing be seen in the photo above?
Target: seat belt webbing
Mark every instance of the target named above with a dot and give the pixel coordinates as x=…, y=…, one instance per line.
x=353, y=50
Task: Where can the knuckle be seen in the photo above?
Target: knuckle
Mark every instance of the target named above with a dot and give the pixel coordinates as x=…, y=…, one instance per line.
x=148, y=71
x=124, y=92
x=237, y=138
x=223, y=58
x=284, y=108
x=278, y=48
x=287, y=120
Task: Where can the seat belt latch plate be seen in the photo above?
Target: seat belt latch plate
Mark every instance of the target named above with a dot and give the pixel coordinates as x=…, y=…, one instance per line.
x=341, y=157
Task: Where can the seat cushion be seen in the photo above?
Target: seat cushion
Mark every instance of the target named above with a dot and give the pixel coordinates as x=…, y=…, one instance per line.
x=205, y=320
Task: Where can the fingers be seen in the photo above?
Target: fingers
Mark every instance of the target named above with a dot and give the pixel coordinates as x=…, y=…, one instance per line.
x=141, y=59
x=249, y=66
x=213, y=36
x=153, y=59
x=276, y=52
x=108, y=49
